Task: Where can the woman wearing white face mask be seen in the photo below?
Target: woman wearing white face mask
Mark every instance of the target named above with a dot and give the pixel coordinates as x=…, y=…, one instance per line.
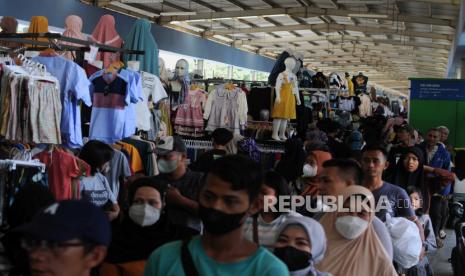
x=353, y=246
x=143, y=229
x=312, y=169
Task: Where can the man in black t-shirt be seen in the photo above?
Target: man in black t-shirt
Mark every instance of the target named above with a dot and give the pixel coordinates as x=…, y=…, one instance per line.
x=220, y=137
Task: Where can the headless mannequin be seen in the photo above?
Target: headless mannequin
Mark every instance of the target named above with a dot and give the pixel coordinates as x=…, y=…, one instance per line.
x=134, y=65
x=163, y=74
x=280, y=124
x=181, y=67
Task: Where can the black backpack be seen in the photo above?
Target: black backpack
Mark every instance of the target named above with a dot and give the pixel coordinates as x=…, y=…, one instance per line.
x=458, y=252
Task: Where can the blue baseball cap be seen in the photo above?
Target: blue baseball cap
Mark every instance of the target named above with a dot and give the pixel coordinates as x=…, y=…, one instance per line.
x=67, y=220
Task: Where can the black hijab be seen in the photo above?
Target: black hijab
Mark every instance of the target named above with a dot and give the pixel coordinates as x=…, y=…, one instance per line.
x=292, y=161
x=404, y=178
x=132, y=242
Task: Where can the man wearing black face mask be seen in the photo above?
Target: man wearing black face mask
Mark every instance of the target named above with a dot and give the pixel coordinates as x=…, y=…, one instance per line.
x=228, y=197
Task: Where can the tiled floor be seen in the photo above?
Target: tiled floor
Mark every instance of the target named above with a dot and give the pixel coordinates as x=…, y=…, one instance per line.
x=439, y=259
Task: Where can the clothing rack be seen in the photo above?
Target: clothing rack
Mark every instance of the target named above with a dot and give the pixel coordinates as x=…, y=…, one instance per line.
x=214, y=81
x=12, y=164
x=272, y=147
x=28, y=38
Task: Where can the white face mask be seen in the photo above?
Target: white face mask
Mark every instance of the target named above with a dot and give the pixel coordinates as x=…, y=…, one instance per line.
x=309, y=171
x=351, y=227
x=167, y=166
x=144, y=214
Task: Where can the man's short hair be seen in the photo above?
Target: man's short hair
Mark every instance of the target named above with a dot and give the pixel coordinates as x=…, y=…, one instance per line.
x=435, y=129
x=349, y=169
x=440, y=128
x=376, y=147
x=221, y=136
x=406, y=128
x=242, y=172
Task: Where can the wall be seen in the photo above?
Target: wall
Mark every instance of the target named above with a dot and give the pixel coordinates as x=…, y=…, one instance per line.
x=168, y=39
x=440, y=103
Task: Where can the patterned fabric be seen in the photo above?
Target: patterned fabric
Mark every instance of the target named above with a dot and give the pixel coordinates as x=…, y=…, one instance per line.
x=189, y=117
x=250, y=147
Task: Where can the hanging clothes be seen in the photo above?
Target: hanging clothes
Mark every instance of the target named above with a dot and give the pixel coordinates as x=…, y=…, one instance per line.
x=62, y=169
x=153, y=92
x=74, y=89
x=365, y=106
x=105, y=33
x=360, y=83
x=30, y=109
x=189, y=116
x=73, y=29
x=113, y=110
x=286, y=108
x=226, y=109
x=147, y=154
x=258, y=99
x=135, y=160
x=346, y=103
x=119, y=171
x=140, y=38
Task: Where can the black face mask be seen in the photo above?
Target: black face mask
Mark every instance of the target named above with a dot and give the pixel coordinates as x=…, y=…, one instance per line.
x=294, y=258
x=219, y=223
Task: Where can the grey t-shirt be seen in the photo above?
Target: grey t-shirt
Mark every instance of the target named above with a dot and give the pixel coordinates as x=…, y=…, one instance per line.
x=95, y=189
x=396, y=201
x=119, y=167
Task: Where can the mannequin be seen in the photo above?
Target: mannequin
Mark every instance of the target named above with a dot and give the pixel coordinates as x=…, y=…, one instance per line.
x=287, y=94
x=180, y=83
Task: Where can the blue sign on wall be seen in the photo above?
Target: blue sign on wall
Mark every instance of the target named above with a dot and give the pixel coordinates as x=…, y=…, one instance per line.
x=437, y=89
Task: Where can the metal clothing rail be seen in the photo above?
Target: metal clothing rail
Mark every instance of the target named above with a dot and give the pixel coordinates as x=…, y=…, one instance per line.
x=272, y=147
x=28, y=38
x=12, y=164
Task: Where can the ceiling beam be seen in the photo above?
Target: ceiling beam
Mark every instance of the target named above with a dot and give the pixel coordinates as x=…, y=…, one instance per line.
x=307, y=12
x=333, y=28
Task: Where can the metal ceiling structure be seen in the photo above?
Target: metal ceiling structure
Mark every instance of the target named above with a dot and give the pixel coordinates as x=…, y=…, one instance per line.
x=388, y=40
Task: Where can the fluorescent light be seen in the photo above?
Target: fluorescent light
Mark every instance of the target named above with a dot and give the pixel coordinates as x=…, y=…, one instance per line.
x=247, y=17
x=133, y=9
x=141, y=1
x=368, y=15
x=196, y=20
x=275, y=15
x=177, y=13
x=362, y=2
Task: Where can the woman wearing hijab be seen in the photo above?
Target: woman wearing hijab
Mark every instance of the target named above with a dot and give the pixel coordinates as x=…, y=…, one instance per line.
x=353, y=246
x=140, y=38
x=143, y=229
x=105, y=33
x=300, y=244
x=73, y=29
x=409, y=172
x=292, y=161
x=311, y=171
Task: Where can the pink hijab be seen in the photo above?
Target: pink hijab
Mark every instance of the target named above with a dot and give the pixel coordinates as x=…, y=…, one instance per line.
x=364, y=255
x=105, y=33
x=73, y=28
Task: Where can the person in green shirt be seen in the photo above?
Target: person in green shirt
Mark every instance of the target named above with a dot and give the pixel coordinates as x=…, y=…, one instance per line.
x=227, y=198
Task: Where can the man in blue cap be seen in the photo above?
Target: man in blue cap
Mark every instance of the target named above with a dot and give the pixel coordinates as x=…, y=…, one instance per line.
x=66, y=238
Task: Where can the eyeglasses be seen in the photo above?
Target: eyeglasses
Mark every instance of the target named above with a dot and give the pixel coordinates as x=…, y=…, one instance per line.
x=55, y=247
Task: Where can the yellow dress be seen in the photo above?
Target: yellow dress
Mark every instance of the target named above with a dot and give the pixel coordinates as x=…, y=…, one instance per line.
x=285, y=109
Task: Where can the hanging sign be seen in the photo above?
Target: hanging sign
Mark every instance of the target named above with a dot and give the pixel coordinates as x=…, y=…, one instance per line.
x=437, y=89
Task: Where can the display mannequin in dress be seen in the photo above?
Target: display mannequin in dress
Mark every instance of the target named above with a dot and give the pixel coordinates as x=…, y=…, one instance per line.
x=179, y=85
x=287, y=95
